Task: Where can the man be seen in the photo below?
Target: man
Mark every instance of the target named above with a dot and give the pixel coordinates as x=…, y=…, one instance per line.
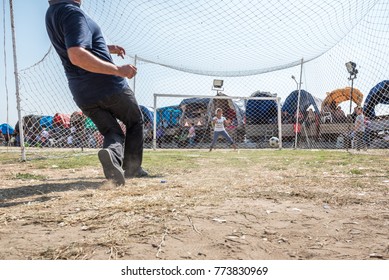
x=99, y=87
x=359, y=129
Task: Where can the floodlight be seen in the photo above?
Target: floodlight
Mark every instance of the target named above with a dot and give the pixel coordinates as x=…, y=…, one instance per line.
x=351, y=68
x=217, y=83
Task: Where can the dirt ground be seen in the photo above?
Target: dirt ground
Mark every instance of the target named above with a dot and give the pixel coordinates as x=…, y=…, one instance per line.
x=212, y=211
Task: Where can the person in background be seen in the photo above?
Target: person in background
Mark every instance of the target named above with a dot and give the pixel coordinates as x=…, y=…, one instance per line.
x=192, y=135
x=359, y=129
x=219, y=122
x=99, y=87
x=160, y=134
x=2, y=138
x=339, y=115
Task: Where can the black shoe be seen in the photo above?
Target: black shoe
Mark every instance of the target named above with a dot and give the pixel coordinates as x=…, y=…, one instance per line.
x=112, y=171
x=141, y=173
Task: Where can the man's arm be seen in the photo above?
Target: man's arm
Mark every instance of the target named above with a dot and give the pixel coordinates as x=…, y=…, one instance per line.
x=84, y=59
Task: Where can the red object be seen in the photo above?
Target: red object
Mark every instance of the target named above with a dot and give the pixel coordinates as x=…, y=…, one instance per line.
x=62, y=119
x=297, y=127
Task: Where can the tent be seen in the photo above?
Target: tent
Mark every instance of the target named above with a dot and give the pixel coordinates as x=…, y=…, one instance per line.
x=30, y=123
x=77, y=119
x=46, y=122
x=89, y=124
x=170, y=115
x=306, y=100
x=6, y=129
x=61, y=120
x=379, y=94
x=261, y=111
x=148, y=114
x=335, y=97
x=194, y=110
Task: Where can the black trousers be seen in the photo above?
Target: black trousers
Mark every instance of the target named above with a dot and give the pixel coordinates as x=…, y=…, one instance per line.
x=127, y=149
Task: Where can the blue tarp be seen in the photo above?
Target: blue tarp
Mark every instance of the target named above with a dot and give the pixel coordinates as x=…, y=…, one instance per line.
x=170, y=115
x=261, y=111
x=148, y=113
x=379, y=94
x=46, y=122
x=6, y=129
x=306, y=100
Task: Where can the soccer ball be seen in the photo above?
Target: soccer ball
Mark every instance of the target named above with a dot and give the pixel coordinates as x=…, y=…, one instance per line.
x=274, y=142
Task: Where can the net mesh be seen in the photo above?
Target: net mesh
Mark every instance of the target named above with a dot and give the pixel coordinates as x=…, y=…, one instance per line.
x=180, y=47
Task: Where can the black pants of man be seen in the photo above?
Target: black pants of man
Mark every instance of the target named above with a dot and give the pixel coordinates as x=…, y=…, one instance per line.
x=127, y=150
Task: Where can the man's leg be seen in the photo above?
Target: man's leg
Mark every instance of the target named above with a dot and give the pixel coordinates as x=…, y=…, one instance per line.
x=111, y=156
x=128, y=111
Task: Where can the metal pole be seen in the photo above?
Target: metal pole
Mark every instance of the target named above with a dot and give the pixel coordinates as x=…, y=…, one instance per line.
x=350, y=128
x=298, y=104
x=134, y=78
x=279, y=122
x=155, y=123
x=351, y=92
x=21, y=132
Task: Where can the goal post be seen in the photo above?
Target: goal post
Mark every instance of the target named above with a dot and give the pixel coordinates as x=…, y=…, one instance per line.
x=171, y=123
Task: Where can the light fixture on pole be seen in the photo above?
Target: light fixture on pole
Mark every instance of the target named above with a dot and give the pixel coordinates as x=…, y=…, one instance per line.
x=294, y=79
x=351, y=69
x=218, y=85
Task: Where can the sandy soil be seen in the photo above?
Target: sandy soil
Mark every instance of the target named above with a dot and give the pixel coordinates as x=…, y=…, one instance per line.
x=213, y=212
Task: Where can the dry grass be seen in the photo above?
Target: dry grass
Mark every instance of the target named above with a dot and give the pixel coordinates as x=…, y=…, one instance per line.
x=220, y=205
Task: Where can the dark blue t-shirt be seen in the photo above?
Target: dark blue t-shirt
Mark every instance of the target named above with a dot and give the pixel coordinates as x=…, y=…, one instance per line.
x=68, y=26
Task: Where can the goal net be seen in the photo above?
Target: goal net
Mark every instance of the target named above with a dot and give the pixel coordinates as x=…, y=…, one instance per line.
x=188, y=122
x=295, y=50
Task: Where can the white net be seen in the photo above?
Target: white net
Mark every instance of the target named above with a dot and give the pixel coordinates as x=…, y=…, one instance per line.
x=255, y=47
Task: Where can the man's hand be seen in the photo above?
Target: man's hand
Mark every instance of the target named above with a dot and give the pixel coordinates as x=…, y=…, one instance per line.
x=114, y=49
x=127, y=71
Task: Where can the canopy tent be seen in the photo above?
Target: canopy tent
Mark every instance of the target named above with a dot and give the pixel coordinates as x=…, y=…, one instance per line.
x=46, y=122
x=6, y=129
x=169, y=115
x=30, y=123
x=335, y=97
x=261, y=111
x=89, y=124
x=379, y=94
x=306, y=100
x=77, y=119
x=148, y=113
x=194, y=110
x=61, y=120
x=195, y=101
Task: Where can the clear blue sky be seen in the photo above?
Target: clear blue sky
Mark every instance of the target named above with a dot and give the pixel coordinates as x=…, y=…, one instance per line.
x=31, y=41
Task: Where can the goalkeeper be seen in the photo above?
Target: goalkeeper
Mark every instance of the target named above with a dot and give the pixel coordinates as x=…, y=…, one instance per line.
x=99, y=87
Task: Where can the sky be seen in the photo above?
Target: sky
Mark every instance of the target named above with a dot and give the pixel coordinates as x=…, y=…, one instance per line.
x=31, y=41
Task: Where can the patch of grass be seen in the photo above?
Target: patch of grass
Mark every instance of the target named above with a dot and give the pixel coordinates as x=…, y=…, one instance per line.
x=69, y=162
x=356, y=172
x=29, y=176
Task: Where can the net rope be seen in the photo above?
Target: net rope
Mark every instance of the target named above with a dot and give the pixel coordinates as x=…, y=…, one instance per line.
x=181, y=46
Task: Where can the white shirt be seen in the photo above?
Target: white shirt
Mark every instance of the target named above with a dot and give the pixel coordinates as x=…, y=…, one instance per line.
x=219, y=125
